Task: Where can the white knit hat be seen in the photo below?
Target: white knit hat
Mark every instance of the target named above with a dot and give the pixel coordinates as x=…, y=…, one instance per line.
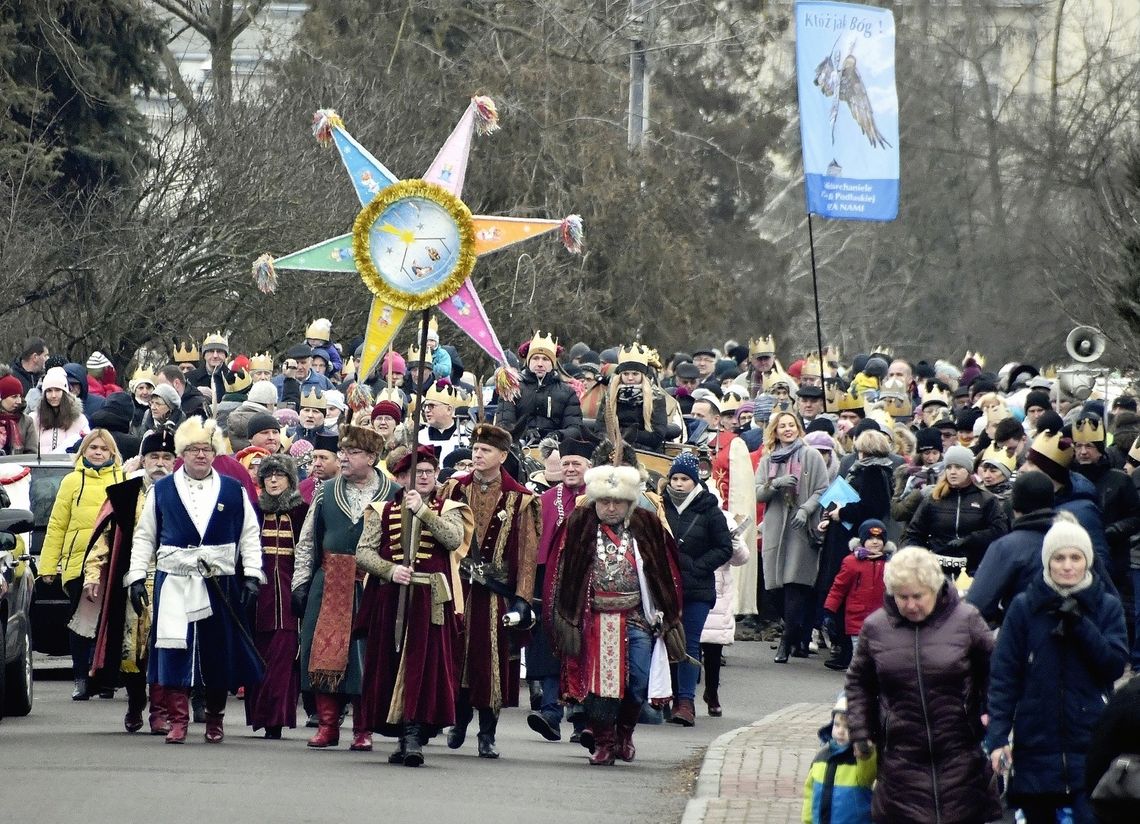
x=97, y=361
x=262, y=392
x=1066, y=533
x=55, y=378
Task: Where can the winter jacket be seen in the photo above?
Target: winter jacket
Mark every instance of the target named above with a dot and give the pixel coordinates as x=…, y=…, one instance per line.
x=1119, y=504
x=858, y=589
x=720, y=625
x=27, y=379
x=81, y=495
x=544, y=407
x=441, y=363
x=194, y=403
x=838, y=787
x=28, y=437
x=1116, y=733
x=115, y=417
x=56, y=441
x=1049, y=680
x=958, y=527
x=790, y=555
x=1011, y=564
x=910, y=481
x=703, y=544
x=238, y=420
x=631, y=422
x=1080, y=499
x=76, y=373
x=917, y=689
x=104, y=387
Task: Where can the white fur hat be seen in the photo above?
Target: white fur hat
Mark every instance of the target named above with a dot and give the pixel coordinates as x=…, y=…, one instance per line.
x=616, y=483
x=193, y=430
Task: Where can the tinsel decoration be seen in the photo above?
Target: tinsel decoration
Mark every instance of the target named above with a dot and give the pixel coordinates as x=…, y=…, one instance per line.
x=359, y=397
x=323, y=122
x=507, y=383
x=573, y=234
x=486, y=115
x=265, y=275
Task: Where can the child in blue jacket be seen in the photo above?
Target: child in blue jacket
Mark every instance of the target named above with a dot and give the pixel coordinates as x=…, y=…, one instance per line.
x=838, y=786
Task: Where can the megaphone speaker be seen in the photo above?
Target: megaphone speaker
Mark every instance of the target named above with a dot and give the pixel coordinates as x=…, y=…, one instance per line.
x=1085, y=344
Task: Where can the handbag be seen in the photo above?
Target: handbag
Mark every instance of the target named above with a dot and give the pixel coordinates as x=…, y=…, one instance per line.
x=1118, y=790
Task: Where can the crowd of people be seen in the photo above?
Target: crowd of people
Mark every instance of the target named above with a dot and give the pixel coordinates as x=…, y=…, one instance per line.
x=397, y=544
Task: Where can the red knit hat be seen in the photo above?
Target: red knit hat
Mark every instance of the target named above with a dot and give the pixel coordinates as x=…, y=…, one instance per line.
x=387, y=408
x=10, y=386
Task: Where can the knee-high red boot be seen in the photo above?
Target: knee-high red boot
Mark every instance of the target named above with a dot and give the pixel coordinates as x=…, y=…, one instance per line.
x=328, y=714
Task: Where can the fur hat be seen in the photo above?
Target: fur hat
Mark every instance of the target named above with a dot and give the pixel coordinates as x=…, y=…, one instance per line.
x=492, y=435
x=620, y=483
x=359, y=437
x=1065, y=533
x=194, y=430
x=278, y=463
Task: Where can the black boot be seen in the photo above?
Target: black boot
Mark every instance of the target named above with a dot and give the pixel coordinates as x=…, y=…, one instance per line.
x=535, y=688
x=198, y=705
x=463, y=715
x=397, y=757
x=488, y=722
x=782, y=651
x=413, y=750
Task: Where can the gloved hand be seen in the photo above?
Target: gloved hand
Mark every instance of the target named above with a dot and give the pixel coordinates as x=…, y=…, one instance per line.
x=139, y=599
x=863, y=749
x=250, y=587
x=298, y=598
x=955, y=544
x=782, y=482
x=1070, y=610
x=800, y=519
x=526, y=614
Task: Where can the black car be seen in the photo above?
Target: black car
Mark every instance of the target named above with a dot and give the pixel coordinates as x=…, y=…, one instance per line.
x=17, y=573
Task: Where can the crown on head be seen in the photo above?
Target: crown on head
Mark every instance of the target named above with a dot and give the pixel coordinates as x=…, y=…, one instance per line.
x=215, y=340
x=141, y=375
x=998, y=455
x=1054, y=446
x=880, y=349
x=936, y=395
x=545, y=344
x=184, y=353
x=237, y=381
x=313, y=398
x=447, y=394
x=976, y=357
x=840, y=401
x=812, y=367
x=350, y=367
x=653, y=358
x=895, y=398
x=759, y=347
x=320, y=329
x=1088, y=430
x=831, y=355
x=413, y=358
x=730, y=403
x=261, y=363
x=882, y=416
x=634, y=357
x=777, y=377
x=392, y=394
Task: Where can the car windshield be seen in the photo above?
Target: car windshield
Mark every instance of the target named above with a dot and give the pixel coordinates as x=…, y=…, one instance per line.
x=44, y=487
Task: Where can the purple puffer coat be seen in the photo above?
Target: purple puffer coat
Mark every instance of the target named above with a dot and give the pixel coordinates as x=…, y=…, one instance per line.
x=917, y=689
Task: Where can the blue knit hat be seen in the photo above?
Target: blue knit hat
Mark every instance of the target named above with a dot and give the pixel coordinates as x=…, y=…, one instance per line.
x=869, y=524
x=686, y=464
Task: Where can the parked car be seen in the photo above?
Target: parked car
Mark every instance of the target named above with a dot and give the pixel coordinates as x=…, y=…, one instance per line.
x=32, y=483
x=17, y=572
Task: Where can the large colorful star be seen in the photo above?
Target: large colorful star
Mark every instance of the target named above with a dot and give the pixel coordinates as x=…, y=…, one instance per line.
x=377, y=187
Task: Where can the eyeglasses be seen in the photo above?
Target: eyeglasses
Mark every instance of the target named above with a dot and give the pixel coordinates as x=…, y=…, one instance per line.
x=198, y=450
x=349, y=453
x=424, y=473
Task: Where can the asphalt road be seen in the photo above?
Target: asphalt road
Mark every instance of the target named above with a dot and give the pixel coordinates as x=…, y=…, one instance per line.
x=73, y=761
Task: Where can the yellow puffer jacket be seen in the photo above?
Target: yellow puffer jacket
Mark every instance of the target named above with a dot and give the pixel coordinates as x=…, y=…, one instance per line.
x=77, y=504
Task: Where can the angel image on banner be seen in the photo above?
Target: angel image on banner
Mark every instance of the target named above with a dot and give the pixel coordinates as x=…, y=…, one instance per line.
x=414, y=241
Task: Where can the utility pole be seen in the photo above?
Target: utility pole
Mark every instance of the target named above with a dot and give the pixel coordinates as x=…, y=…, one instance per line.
x=638, y=73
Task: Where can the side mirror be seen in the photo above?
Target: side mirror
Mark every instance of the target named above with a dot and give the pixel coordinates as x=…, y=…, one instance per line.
x=16, y=520
x=7, y=542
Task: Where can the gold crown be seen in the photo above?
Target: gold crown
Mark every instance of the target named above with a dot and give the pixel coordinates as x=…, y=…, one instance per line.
x=350, y=367
x=186, y=354
x=313, y=398
x=776, y=377
x=320, y=329
x=831, y=355
x=141, y=375
x=392, y=394
x=759, y=347
x=433, y=325
x=216, y=340
x=880, y=349
x=840, y=401
x=261, y=363
x=882, y=417
x=895, y=398
x=1088, y=430
x=545, y=344
x=730, y=403
x=414, y=357
x=635, y=356
x=1049, y=445
x=977, y=357
x=238, y=381
x=653, y=358
x=935, y=395
x=997, y=454
x=447, y=394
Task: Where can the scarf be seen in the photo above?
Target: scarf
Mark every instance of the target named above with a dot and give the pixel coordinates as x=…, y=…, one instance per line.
x=11, y=423
x=786, y=454
x=284, y=502
x=1066, y=592
x=629, y=393
x=682, y=499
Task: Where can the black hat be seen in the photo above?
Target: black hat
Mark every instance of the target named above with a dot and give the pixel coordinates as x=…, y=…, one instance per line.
x=687, y=371
x=327, y=442
x=1039, y=398
x=573, y=446
x=945, y=422
x=923, y=370
x=1032, y=491
x=259, y=423
x=706, y=351
x=876, y=367
x=738, y=354
x=301, y=350
x=967, y=418
x=810, y=392
x=1050, y=421
x=865, y=425
x=1008, y=428
x=822, y=424
x=962, y=391
x=985, y=382
x=929, y=438
x=158, y=440
x=461, y=453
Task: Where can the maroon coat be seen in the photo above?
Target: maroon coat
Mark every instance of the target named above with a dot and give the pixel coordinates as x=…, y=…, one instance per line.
x=917, y=689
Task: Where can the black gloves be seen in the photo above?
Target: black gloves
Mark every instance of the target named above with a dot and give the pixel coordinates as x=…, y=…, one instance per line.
x=829, y=627
x=956, y=543
x=525, y=613
x=298, y=599
x=250, y=588
x=1070, y=610
x=138, y=596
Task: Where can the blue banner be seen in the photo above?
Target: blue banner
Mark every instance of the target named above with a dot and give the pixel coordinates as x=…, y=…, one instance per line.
x=849, y=110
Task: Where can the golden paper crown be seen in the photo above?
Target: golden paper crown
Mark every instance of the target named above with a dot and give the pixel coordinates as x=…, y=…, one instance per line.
x=186, y=354
x=141, y=376
x=654, y=359
x=977, y=357
x=730, y=403
x=776, y=377
x=812, y=367
x=216, y=340
x=880, y=349
x=313, y=398
x=1048, y=444
x=261, y=363
x=413, y=357
x=1050, y=372
x=831, y=355
x=544, y=344
x=433, y=326
x=449, y=395
x=840, y=401
x=895, y=398
x=350, y=367
x=883, y=418
x=997, y=454
x=392, y=394
x=936, y=395
x=634, y=357
x=238, y=381
x=758, y=347
x=320, y=329
x=1088, y=430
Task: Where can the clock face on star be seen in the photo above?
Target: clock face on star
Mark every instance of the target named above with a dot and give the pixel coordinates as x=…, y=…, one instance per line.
x=415, y=244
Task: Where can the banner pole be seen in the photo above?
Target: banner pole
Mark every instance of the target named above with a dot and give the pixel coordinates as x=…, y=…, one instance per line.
x=815, y=297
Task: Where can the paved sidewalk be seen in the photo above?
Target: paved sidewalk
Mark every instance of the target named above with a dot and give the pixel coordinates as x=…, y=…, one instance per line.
x=755, y=774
